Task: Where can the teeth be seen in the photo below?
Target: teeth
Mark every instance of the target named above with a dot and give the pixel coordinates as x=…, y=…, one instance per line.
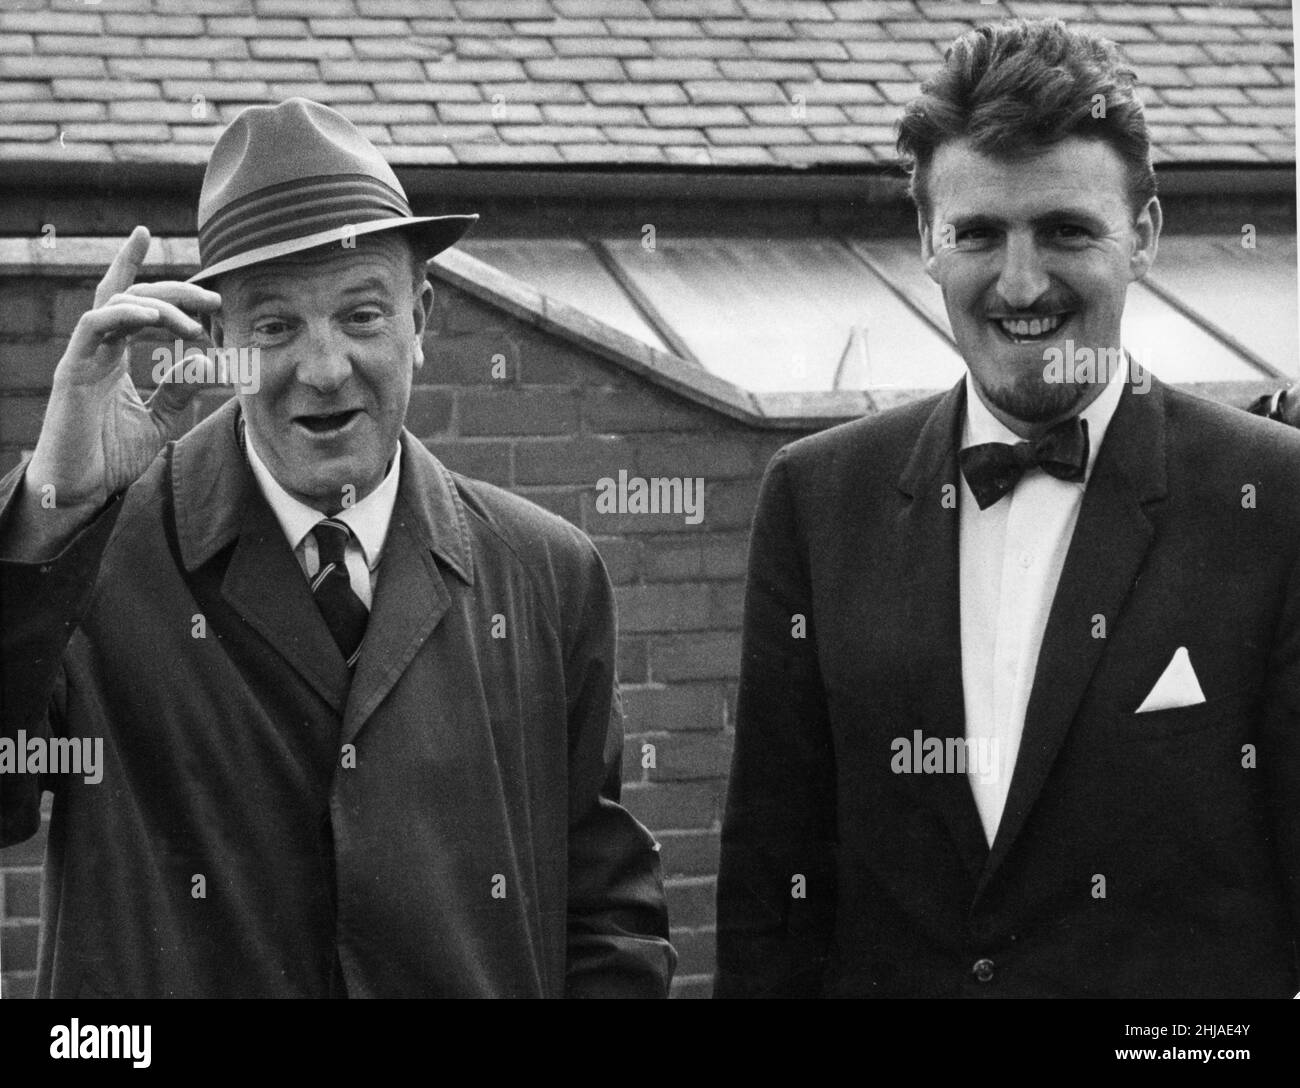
x=1034, y=327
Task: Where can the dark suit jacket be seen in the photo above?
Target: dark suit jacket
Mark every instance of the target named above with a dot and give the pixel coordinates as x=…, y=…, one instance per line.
x=1191, y=816
x=472, y=845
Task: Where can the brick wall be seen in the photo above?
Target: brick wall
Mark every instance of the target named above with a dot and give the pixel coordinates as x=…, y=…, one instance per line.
x=557, y=421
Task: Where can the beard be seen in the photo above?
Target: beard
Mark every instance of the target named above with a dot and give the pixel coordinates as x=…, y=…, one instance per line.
x=1030, y=399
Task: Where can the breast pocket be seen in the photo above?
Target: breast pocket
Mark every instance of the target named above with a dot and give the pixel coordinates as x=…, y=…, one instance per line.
x=1183, y=720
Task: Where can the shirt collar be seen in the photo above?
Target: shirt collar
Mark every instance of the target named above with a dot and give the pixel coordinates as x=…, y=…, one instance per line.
x=368, y=519
x=982, y=426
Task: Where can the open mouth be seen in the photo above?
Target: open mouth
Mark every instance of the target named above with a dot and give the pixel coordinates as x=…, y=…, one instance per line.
x=328, y=423
x=1030, y=330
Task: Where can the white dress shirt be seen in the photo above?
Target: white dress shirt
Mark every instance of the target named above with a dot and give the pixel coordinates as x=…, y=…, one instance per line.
x=368, y=519
x=1011, y=557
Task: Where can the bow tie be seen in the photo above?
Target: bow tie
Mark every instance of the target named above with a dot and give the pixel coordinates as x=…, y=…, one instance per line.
x=994, y=468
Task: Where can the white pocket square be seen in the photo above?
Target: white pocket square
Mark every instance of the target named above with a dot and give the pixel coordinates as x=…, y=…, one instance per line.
x=1176, y=687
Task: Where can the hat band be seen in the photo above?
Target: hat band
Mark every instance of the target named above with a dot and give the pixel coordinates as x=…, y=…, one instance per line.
x=296, y=209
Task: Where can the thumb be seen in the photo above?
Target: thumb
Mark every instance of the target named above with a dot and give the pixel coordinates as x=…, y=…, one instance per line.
x=173, y=393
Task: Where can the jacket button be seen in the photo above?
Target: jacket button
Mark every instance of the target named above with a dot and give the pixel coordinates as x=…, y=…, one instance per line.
x=983, y=970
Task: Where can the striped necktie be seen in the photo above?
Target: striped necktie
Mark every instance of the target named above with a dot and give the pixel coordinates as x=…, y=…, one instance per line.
x=345, y=613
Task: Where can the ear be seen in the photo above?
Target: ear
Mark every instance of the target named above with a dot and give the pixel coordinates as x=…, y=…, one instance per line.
x=1146, y=235
x=928, y=257
x=421, y=308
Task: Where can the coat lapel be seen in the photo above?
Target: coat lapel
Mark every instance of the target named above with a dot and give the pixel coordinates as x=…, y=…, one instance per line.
x=926, y=541
x=1110, y=541
x=266, y=585
x=217, y=501
x=411, y=595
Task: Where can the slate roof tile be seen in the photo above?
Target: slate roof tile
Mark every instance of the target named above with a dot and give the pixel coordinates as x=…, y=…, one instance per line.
x=704, y=83
x=198, y=48
x=703, y=47
x=340, y=95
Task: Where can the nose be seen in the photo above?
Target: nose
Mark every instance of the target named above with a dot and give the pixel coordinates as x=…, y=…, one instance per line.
x=1023, y=279
x=325, y=361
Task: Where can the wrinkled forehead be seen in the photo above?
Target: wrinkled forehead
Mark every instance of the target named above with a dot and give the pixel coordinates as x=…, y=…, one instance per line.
x=370, y=262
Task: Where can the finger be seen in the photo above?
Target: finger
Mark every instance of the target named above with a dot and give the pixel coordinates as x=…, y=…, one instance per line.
x=122, y=272
x=100, y=328
x=171, y=317
x=174, y=394
x=189, y=297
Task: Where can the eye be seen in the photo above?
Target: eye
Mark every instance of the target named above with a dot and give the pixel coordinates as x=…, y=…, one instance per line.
x=270, y=328
x=973, y=237
x=1072, y=232
x=365, y=317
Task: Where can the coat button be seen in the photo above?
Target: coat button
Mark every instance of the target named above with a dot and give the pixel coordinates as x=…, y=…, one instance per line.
x=983, y=970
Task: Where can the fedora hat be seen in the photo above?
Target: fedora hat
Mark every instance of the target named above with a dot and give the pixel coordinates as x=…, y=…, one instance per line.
x=286, y=178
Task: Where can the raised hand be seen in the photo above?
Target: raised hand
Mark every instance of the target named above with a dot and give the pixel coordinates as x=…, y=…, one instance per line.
x=98, y=435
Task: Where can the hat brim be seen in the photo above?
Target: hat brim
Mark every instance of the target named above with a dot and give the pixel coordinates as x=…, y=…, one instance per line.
x=429, y=235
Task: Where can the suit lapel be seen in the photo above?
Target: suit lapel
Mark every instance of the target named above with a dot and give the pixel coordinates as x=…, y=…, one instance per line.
x=926, y=561
x=1106, y=552
x=411, y=595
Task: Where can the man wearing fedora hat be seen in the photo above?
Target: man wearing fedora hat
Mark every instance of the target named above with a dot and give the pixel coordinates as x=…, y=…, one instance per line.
x=354, y=716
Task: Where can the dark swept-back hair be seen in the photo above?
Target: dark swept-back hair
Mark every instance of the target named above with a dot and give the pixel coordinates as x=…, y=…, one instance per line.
x=1015, y=89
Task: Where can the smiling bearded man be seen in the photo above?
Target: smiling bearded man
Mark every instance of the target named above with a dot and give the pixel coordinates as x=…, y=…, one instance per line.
x=359, y=713
x=1093, y=583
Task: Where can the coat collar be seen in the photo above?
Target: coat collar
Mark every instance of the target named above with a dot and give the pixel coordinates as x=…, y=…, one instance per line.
x=212, y=486
x=217, y=504
x=936, y=445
